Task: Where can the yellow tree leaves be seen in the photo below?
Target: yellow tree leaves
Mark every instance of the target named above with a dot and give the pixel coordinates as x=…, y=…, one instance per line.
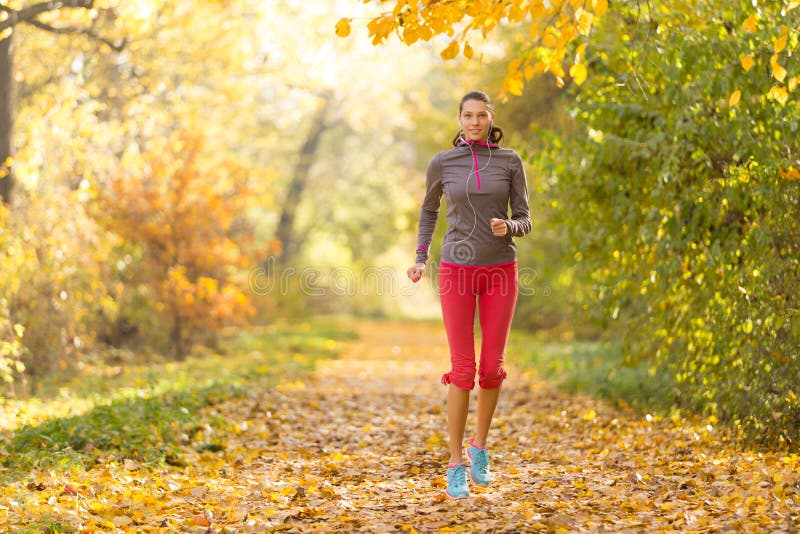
x=578, y=73
x=779, y=92
x=554, y=28
x=451, y=51
x=747, y=62
x=749, y=23
x=778, y=72
x=734, y=99
x=185, y=215
x=343, y=28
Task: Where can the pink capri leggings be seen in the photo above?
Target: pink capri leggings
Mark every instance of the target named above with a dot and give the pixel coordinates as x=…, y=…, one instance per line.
x=494, y=288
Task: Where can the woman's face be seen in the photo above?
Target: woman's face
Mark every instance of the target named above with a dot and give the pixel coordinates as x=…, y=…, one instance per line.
x=475, y=120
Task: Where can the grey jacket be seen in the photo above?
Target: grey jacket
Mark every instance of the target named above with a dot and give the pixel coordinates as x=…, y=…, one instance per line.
x=472, y=198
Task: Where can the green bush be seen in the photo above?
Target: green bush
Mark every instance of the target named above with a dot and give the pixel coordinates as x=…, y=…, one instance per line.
x=683, y=207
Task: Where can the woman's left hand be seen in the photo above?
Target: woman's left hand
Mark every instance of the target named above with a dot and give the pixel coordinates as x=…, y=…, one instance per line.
x=499, y=227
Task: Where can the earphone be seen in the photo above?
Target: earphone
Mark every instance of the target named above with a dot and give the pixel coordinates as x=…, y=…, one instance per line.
x=475, y=170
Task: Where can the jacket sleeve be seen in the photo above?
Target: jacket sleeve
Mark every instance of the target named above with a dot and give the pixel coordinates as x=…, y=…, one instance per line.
x=430, y=208
x=520, y=222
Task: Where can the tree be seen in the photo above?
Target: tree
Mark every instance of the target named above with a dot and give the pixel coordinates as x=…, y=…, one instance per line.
x=183, y=212
x=84, y=115
x=29, y=15
x=287, y=232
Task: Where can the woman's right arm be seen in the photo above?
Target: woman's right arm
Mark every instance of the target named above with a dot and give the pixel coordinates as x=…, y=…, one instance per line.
x=428, y=215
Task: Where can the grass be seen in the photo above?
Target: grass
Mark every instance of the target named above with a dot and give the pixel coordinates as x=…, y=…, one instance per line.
x=144, y=412
x=595, y=368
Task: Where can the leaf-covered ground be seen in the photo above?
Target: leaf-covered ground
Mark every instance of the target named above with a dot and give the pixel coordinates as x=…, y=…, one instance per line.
x=360, y=446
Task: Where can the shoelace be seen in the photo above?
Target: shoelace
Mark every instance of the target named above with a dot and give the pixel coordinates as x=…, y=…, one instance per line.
x=481, y=459
x=459, y=475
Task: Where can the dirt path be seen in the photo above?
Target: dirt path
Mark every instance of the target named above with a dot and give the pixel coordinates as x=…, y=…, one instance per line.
x=362, y=445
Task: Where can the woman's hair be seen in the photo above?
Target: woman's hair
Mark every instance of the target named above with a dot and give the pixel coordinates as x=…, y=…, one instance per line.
x=495, y=132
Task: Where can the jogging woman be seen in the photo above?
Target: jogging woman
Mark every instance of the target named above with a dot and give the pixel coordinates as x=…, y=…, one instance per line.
x=480, y=181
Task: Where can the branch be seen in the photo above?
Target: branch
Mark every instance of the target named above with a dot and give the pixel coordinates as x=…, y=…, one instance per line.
x=27, y=14
x=89, y=32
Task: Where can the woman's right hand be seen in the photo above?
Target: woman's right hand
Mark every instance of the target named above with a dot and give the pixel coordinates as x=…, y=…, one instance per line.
x=416, y=271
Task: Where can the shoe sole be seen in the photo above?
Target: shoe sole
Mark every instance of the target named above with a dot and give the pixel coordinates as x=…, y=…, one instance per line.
x=454, y=497
x=472, y=478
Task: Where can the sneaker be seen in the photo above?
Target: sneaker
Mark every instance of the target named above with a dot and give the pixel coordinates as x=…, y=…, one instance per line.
x=479, y=470
x=457, y=482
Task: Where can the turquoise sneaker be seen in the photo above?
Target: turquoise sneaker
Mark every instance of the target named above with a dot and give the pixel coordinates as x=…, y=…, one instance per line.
x=457, y=482
x=479, y=470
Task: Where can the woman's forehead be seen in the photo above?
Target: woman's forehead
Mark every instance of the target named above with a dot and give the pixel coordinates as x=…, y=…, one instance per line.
x=474, y=106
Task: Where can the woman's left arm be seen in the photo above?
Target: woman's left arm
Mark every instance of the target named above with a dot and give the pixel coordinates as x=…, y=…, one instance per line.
x=520, y=222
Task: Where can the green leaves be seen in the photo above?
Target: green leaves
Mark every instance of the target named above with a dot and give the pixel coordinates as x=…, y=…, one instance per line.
x=682, y=201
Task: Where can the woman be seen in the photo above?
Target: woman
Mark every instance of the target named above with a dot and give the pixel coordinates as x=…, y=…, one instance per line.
x=480, y=181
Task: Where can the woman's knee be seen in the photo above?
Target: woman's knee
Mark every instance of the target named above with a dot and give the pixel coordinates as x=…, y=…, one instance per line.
x=490, y=379
x=461, y=380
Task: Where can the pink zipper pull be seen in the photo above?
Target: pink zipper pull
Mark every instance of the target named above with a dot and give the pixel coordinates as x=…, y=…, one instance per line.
x=477, y=169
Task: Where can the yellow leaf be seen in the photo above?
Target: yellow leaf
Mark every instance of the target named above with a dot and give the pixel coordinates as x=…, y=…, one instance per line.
x=451, y=51
x=410, y=36
x=790, y=174
x=528, y=71
x=590, y=415
x=735, y=97
x=537, y=10
x=584, y=20
x=468, y=51
x=549, y=38
x=778, y=72
x=750, y=23
x=780, y=44
x=557, y=69
x=747, y=62
x=513, y=83
x=343, y=28
x=600, y=7
x=793, y=82
x=578, y=73
x=747, y=327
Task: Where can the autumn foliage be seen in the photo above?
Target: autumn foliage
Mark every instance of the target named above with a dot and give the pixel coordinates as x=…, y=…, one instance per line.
x=181, y=218
x=554, y=28
x=329, y=451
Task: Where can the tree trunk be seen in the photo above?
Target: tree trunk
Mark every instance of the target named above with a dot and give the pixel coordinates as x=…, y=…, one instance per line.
x=287, y=234
x=6, y=116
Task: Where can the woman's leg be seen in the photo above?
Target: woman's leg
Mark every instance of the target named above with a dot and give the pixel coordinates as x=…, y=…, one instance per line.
x=496, y=309
x=487, y=402
x=457, y=409
x=458, y=311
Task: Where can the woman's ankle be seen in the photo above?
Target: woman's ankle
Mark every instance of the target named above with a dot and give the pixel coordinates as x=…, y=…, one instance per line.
x=475, y=443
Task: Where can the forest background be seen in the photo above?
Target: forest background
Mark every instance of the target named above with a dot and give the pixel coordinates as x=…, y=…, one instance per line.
x=173, y=172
